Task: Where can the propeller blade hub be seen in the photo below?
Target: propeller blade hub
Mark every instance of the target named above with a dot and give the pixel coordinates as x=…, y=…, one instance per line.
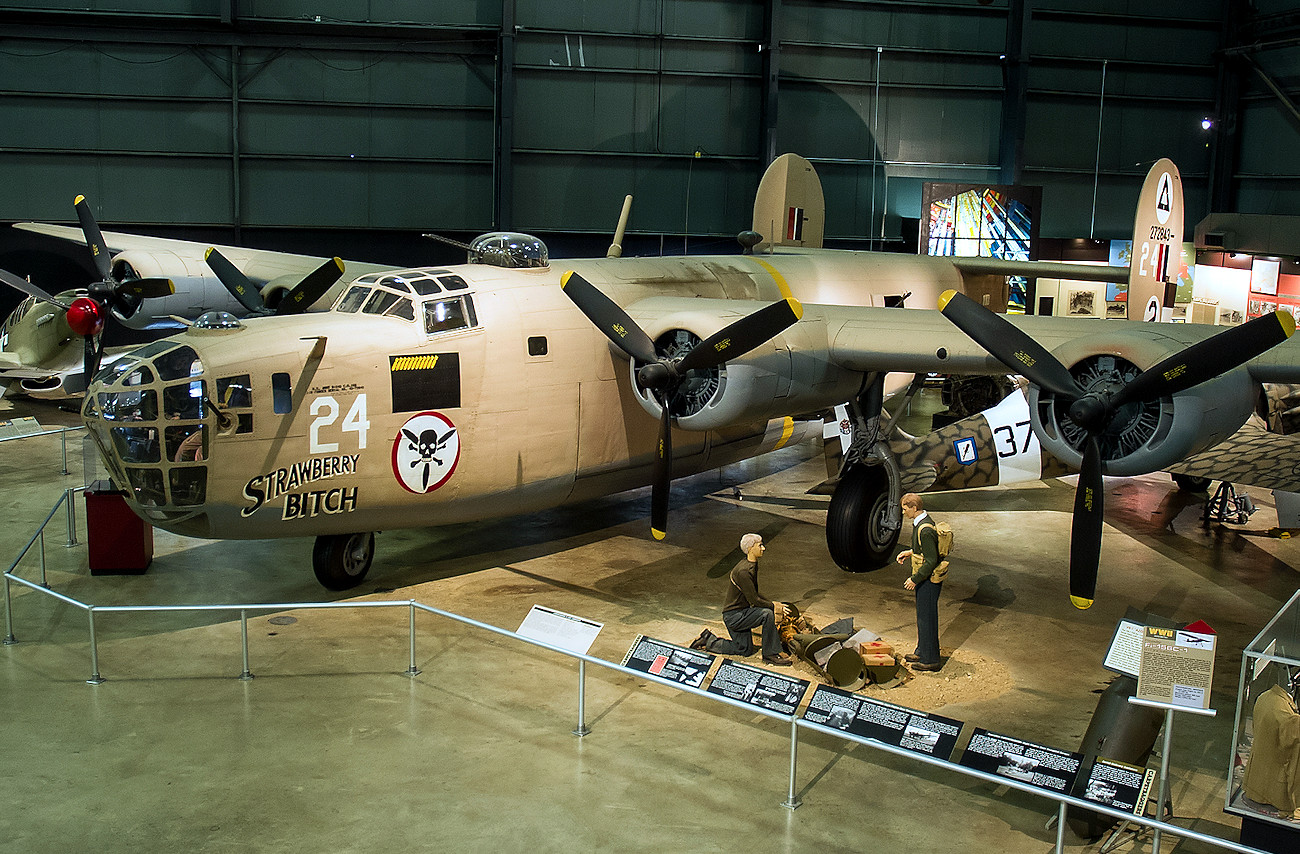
x=655, y=375
x=85, y=317
x=1090, y=412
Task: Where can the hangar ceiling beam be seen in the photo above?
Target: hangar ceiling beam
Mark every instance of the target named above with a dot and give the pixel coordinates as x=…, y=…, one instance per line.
x=503, y=185
x=1015, y=94
x=771, y=48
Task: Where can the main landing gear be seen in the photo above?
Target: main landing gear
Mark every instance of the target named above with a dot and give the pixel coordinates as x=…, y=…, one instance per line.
x=858, y=525
x=864, y=519
x=341, y=561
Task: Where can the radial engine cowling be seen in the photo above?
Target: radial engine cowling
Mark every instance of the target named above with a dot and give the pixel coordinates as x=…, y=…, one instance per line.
x=768, y=382
x=195, y=287
x=1141, y=437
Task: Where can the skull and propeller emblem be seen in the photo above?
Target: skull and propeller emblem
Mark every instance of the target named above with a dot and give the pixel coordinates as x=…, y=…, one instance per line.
x=425, y=452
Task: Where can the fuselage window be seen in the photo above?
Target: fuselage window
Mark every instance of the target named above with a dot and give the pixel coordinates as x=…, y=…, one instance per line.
x=353, y=299
x=235, y=391
x=447, y=314
x=537, y=345
x=281, y=394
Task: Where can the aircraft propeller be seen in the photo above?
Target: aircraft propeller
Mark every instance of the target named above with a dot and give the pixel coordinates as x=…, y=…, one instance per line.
x=86, y=315
x=662, y=376
x=1094, y=410
x=297, y=300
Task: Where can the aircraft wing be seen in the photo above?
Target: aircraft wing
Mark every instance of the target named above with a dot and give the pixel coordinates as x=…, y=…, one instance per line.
x=1252, y=457
x=258, y=264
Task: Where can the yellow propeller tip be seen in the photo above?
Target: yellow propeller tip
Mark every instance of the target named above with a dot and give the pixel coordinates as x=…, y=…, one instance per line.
x=658, y=534
x=945, y=298
x=1287, y=319
x=78, y=200
x=796, y=307
x=564, y=280
x=1080, y=603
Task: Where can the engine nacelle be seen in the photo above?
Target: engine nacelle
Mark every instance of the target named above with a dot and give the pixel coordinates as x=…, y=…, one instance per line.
x=1142, y=437
x=197, y=288
x=779, y=377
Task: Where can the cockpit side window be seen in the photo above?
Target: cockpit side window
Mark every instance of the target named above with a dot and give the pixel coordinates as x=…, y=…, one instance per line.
x=443, y=315
x=353, y=299
x=380, y=301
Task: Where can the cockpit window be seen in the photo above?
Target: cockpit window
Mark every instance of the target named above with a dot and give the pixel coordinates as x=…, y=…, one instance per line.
x=403, y=309
x=380, y=301
x=129, y=406
x=442, y=315
x=398, y=283
x=184, y=401
x=453, y=283
x=180, y=363
x=353, y=299
x=427, y=287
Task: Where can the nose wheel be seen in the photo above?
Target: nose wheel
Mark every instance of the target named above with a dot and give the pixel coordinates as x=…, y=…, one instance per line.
x=341, y=561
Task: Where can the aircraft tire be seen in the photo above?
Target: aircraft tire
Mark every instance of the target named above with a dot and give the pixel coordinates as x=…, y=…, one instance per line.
x=855, y=531
x=341, y=561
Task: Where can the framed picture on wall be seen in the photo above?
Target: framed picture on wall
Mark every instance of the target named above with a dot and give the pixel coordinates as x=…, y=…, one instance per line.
x=1080, y=303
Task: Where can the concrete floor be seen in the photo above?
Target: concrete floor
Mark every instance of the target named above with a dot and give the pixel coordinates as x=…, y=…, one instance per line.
x=332, y=747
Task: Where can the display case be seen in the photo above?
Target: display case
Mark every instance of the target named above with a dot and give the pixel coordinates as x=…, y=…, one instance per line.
x=1264, y=775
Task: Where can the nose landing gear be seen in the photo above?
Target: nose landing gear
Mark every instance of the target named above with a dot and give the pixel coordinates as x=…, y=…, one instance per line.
x=341, y=561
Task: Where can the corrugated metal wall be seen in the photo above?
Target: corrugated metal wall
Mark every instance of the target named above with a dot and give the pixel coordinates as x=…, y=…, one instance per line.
x=384, y=115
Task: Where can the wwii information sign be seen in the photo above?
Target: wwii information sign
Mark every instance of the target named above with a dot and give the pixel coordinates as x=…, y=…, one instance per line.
x=757, y=687
x=884, y=722
x=667, y=661
x=1045, y=767
x=1177, y=667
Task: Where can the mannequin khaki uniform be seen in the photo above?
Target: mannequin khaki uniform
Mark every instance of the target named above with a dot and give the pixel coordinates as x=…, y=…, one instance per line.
x=1273, y=767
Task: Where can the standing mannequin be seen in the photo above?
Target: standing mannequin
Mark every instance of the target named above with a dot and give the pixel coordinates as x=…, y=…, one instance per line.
x=1273, y=767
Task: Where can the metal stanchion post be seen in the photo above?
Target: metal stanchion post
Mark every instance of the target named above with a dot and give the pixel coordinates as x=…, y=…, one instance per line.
x=44, y=583
x=1164, y=778
x=63, y=439
x=95, y=678
x=791, y=801
x=72, y=517
x=582, y=728
x=9, y=616
x=412, y=670
x=243, y=631
x=1060, y=829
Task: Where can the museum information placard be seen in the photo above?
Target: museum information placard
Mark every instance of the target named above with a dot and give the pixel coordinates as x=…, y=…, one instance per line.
x=667, y=661
x=758, y=687
x=1119, y=785
x=1044, y=767
x=1177, y=667
x=576, y=634
x=884, y=722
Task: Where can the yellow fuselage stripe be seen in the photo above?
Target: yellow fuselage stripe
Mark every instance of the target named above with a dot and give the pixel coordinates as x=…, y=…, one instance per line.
x=787, y=430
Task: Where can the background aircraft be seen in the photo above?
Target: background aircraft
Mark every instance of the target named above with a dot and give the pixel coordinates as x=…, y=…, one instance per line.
x=438, y=395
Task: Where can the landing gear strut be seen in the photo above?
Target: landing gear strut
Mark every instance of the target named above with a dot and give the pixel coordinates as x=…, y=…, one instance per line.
x=341, y=561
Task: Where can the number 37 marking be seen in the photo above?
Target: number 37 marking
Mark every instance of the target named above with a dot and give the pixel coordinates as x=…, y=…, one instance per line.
x=1005, y=439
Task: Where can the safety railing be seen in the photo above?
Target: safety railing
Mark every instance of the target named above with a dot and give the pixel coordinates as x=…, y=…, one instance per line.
x=795, y=723
x=63, y=439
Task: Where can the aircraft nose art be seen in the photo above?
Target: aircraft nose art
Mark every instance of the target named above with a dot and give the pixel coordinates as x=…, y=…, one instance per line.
x=152, y=417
